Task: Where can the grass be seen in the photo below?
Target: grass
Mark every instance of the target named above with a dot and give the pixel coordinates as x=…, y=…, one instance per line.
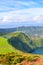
x=5, y=47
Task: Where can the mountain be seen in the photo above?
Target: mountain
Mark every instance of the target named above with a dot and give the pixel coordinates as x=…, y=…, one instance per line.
x=12, y=41
x=25, y=43
x=20, y=41
x=29, y=30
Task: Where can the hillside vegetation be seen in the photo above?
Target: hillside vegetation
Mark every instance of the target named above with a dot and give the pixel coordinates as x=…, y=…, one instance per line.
x=16, y=49
x=19, y=41
x=5, y=47
x=25, y=43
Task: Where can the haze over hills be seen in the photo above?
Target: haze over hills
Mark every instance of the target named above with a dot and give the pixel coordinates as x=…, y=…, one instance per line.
x=30, y=30
x=19, y=24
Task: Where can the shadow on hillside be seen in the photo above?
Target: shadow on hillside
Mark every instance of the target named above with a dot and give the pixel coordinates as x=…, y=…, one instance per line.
x=19, y=44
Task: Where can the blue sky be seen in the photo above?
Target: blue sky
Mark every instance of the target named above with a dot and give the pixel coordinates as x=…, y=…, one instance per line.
x=15, y=13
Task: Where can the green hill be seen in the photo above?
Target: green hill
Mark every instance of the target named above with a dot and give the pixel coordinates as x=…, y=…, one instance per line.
x=5, y=47
x=24, y=43
x=19, y=41
x=14, y=42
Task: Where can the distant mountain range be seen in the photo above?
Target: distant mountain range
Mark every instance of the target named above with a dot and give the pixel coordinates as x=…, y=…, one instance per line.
x=30, y=30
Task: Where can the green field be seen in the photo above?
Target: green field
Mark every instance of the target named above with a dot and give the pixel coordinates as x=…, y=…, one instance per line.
x=4, y=46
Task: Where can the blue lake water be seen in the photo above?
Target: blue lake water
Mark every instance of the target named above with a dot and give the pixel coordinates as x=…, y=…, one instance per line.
x=38, y=51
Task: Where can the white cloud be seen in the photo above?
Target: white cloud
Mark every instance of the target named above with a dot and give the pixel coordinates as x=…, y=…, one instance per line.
x=24, y=15
x=38, y=19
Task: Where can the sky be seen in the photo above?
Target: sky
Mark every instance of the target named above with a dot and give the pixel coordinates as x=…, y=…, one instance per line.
x=14, y=13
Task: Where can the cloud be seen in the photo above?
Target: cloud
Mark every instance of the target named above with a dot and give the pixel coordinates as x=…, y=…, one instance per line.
x=12, y=11
x=38, y=19
x=24, y=15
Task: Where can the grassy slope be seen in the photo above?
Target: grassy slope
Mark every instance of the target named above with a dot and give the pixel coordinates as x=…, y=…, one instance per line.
x=25, y=41
x=4, y=46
